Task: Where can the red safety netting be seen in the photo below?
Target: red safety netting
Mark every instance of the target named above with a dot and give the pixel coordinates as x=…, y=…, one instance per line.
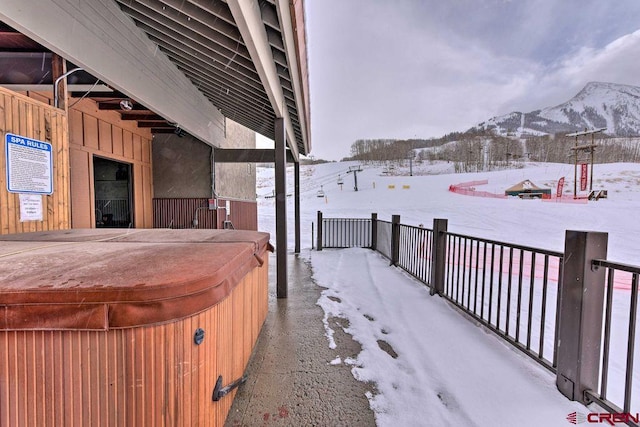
x=469, y=189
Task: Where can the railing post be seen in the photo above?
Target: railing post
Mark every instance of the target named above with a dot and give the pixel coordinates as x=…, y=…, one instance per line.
x=374, y=231
x=438, y=255
x=395, y=239
x=580, y=312
x=319, y=243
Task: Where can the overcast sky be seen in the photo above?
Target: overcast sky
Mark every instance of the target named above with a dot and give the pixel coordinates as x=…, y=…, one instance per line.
x=424, y=68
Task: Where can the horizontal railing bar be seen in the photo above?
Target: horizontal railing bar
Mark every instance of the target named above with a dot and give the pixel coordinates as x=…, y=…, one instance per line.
x=615, y=265
x=606, y=404
x=511, y=245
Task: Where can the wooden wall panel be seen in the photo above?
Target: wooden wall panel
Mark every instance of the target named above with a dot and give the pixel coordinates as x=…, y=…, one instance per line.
x=90, y=136
x=138, y=199
x=147, y=194
x=105, y=141
x=75, y=127
x=81, y=200
x=33, y=119
x=146, y=151
x=139, y=376
x=127, y=142
x=137, y=147
x=116, y=134
x=104, y=134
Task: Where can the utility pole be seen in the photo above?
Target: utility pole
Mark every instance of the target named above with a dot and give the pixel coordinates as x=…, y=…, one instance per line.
x=355, y=170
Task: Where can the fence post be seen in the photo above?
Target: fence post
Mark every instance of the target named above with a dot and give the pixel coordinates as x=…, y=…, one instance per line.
x=395, y=239
x=319, y=243
x=580, y=312
x=438, y=255
x=374, y=231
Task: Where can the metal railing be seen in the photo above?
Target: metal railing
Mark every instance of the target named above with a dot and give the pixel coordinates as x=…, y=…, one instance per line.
x=510, y=289
x=112, y=212
x=415, y=252
x=557, y=309
x=621, y=294
x=344, y=233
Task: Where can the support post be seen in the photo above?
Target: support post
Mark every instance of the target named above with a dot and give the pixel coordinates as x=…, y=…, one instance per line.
x=296, y=196
x=58, y=68
x=438, y=255
x=580, y=312
x=319, y=243
x=281, y=208
x=374, y=231
x=395, y=239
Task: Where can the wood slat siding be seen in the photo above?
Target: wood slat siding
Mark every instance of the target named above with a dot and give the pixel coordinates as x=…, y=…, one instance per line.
x=138, y=376
x=179, y=213
x=31, y=118
x=244, y=214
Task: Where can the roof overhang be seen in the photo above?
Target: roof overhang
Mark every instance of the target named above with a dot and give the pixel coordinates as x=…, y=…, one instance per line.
x=191, y=62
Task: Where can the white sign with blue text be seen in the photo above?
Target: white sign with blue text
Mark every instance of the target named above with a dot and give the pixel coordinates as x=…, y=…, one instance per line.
x=29, y=165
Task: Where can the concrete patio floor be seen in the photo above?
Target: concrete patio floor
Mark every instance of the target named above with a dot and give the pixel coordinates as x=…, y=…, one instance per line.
x=290, y=380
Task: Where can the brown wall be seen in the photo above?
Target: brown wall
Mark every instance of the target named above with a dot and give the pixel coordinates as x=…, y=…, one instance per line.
x=101, y=133
x=27, y=117
x=180, y=213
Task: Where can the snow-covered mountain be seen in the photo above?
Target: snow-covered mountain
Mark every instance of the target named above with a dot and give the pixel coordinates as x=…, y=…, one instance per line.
x=598, y=105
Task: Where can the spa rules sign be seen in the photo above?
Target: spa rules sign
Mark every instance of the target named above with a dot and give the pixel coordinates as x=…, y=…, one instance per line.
x=29, y=165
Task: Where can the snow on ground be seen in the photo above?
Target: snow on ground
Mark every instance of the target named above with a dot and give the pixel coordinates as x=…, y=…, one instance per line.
x=430, y=364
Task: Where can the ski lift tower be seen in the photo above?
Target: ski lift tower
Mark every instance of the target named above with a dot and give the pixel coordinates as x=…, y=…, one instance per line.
x=584, y=149
x=354, y=170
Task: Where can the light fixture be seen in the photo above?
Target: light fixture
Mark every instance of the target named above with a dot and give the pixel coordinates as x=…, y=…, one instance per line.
x=126, y=105
x=180, y=132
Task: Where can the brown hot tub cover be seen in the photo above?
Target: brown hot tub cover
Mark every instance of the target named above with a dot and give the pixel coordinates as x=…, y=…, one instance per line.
x=118, y=278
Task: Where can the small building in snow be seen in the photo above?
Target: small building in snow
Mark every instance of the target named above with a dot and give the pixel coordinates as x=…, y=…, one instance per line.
x=528, y=190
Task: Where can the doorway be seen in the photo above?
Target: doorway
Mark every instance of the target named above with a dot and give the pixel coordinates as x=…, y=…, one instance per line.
x=113, y=190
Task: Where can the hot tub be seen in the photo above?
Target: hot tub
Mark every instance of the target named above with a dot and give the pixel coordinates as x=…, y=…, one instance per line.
x=127, y=327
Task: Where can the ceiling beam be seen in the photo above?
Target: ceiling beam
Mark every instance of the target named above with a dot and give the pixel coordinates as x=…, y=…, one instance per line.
x=149, y=117
x=120, y=55
x=111, y=106
x=248, y=18
x=155, y=124
x=170, y=19
x=98, y=95
x=248, y=155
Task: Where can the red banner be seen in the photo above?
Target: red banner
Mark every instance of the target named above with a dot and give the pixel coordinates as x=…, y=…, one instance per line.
x=583, y=176
x=560, y=187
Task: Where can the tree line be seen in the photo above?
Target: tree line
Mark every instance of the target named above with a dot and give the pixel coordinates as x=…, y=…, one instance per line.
x=481, y=150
